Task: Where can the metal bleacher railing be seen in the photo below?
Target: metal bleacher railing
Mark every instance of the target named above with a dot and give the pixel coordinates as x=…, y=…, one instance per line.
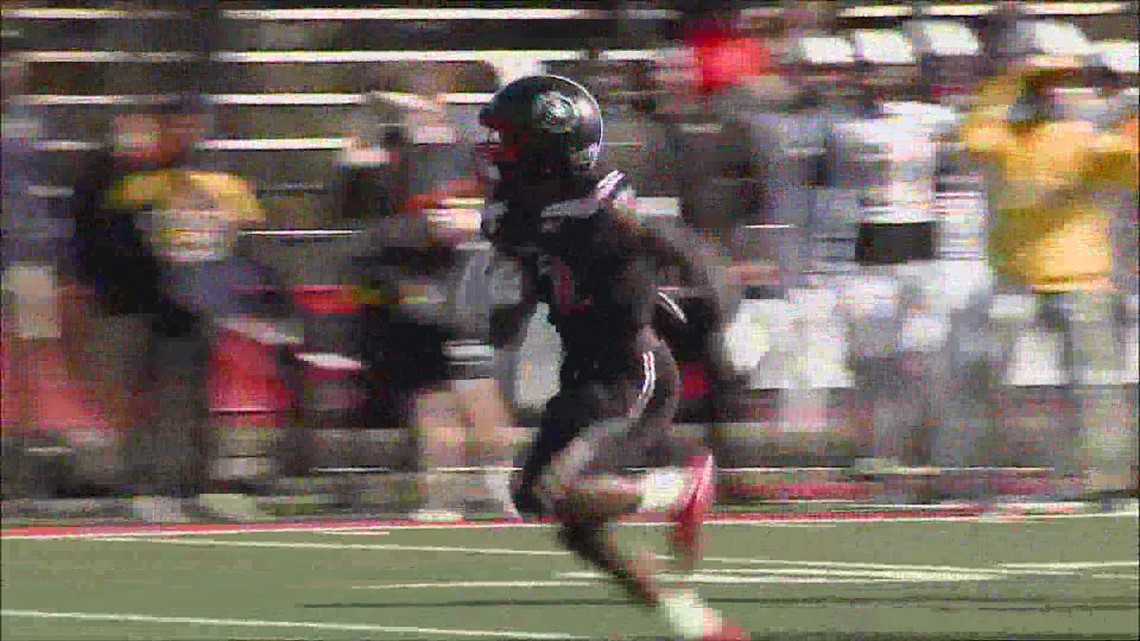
x=505, y=63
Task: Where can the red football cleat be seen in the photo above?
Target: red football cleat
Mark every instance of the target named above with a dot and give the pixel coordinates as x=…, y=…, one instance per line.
x=728, y=632
x=693, y=510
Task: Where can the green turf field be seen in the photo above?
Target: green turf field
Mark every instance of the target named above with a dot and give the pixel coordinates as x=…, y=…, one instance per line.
x=1032, y=579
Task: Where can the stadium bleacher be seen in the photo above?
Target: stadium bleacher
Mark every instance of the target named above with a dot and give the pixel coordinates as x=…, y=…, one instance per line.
x=285, y=77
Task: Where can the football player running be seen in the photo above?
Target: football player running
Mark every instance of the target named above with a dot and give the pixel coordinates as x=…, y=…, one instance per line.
x=585, y=254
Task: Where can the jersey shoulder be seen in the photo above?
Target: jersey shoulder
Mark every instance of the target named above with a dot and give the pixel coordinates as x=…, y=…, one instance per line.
x=618, y=213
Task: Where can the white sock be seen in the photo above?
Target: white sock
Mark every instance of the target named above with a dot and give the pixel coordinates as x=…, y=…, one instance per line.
x=662, y=489
x=687, y=615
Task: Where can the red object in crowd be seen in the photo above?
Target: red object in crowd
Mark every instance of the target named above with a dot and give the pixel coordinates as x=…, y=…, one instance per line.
x=326, y=299
x=244, y=382
x=724, y=56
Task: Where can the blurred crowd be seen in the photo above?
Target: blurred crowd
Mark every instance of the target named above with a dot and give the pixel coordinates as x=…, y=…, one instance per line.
x=887, y=155
x=864, y=162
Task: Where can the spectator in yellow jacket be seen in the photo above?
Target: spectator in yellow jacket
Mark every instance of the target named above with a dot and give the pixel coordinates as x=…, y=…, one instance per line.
x=1051, y=252
x=158, y=271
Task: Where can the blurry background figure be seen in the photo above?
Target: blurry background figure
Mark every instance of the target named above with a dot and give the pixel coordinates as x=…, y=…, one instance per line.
x=33, y=237
x=794, y=218
x=998, y=34
x=950, y=63
x=1115, y=67
x=883, y=164
x=369, y=187
x=709, y=80
x=1050, y=247
x=426, y=313
x=1118, y=64
x=154, y=249
x=1115, y=72
x=814, y=65
x=702, y=147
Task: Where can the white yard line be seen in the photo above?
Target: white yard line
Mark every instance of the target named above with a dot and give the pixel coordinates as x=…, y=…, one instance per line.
x=793, y=522
x=742, y=576
x=144, y=532
x=479, y=584
x=727, y=576
x=899, y=573
x=150, y=532
x=984, y=572
x=254, y=623
x=304, y=545
x=852, y=565
x=1082, y=565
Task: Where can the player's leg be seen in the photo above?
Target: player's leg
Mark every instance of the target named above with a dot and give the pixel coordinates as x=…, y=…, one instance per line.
x=873, y=315
x=562, y=418
x=440, y=435
x=587, y=492
x=1011, y=310
x=612, y=420
x=579, y=506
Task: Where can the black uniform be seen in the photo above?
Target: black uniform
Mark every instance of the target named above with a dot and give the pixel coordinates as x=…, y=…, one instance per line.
x=594, y=265
x=586, y=254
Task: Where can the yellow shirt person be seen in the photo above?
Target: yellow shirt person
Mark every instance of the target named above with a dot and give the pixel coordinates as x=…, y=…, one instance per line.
x=1048, y=229
x=194, y=216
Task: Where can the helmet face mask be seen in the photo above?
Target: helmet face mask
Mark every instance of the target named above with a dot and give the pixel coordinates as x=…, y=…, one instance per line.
x=499, y=156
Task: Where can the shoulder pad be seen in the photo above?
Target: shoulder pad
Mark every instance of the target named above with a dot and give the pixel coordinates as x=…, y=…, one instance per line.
x=587, y=206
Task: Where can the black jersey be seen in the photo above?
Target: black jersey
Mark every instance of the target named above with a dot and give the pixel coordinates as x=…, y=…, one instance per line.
x=596, y=275
x=595, y=264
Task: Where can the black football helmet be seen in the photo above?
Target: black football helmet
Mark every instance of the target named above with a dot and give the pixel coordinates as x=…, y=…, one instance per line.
x=542, y=127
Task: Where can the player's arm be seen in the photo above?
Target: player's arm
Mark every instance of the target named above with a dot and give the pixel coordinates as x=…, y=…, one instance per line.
x=1115, y=156
x=677, y=245
x=631, y=295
